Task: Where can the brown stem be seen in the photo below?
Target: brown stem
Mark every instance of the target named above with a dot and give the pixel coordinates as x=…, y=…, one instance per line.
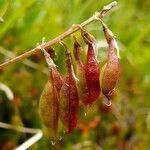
x=71, y=30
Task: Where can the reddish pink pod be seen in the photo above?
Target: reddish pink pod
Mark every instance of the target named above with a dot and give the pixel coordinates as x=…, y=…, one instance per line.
x=58, y=80
x=49, y=100
x=77, y=52
x=69, y=100
x=80, y=71
x=111, y=70
x=92, y=70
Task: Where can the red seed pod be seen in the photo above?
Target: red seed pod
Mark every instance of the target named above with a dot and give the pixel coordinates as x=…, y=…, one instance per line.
x=49, y=104
x=77, y=52
x=58, y=80
x=57, y=77
x=92, y=71
x=69, y=101
x=80, y=71
x=111, y=70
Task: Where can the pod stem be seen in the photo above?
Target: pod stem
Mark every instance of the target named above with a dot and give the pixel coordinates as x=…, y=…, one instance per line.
x=56, y=40
x=109, y=36
x=107, y=32
x=65, y=47
x=48, y=58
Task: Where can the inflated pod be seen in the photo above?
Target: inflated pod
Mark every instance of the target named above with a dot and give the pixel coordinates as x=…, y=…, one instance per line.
x=69, y=101
x=111, y=70
x=49, y=100
x=92, y=70
x=58, y=80
x=80, y=71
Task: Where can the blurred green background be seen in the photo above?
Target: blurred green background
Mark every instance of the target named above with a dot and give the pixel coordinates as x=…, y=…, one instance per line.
x=123, y=126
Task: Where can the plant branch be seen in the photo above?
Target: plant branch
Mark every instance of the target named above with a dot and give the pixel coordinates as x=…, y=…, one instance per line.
x=56, y=40
x=9, y=54
x=28, y=143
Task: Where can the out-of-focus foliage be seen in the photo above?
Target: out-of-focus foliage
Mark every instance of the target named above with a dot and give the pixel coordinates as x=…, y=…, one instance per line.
x=126, y=124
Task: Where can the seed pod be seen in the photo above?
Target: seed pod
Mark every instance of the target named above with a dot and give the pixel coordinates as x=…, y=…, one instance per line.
x=80, y=71
x=111, y=70
x=92, y=71
x=69, y=101
x=58, y=80
x=49, y=104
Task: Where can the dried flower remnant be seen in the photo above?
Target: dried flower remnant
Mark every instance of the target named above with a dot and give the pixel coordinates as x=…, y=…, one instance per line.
x=49, y=103
x=69, y=101
x=92, y=71
x=52, y=52
x=111, y=70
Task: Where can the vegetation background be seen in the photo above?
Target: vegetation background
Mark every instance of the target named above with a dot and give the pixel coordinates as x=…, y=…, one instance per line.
x=125, y=125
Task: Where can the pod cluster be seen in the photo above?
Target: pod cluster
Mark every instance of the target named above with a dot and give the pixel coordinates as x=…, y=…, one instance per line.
x=61, y=95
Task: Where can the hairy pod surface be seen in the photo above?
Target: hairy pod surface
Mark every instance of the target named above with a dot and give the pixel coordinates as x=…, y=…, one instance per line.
x=49, y=102
x=80, y=72
x=92, y=71
x=110, y=71
x=69, y=101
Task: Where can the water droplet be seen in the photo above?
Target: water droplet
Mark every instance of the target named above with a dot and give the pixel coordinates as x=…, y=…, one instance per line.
x=53, y=142
x=60, y=138
x=66, y=131
x=86, y=111
x=108, y=103
x=1, y=19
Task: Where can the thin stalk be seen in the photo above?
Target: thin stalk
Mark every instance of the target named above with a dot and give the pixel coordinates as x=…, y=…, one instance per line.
x=62, y=36
x=32, y=140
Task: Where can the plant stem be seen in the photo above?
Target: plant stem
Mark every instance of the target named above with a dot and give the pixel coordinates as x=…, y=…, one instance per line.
x=67, y=33
x=28, y=143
